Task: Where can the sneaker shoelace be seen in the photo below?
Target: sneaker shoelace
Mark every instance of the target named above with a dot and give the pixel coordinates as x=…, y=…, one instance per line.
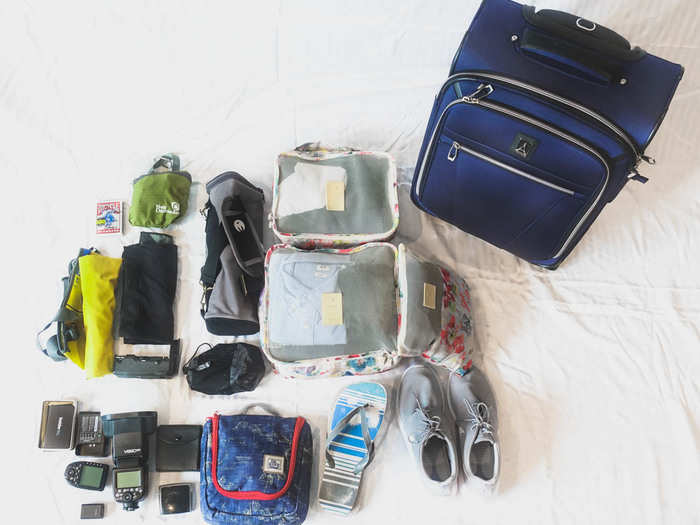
x=428, y=424
x=479, y=417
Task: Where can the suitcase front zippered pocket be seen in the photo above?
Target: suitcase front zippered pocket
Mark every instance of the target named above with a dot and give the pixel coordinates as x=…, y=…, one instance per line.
x=562, y=102
x=457, y=147
x=510, y=205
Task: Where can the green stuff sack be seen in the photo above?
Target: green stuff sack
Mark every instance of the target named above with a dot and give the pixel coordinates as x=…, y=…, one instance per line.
x=160, y=197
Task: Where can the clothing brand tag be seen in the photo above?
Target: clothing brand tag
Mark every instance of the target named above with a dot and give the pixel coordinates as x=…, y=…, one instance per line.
x=273, y=464
x=429, y=295
x=173, y=210
x=335, y=195
x=332, y=309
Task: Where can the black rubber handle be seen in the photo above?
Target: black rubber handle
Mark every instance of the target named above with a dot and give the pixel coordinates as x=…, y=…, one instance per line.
x=567, y=57
x=583, y=33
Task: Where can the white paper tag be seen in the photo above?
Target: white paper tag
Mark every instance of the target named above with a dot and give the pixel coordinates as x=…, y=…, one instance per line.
x=429, y=295
x=332, y=309
x=335, y=195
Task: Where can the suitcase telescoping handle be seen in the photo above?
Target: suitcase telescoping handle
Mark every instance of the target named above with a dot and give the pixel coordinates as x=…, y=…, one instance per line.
x=575, y=44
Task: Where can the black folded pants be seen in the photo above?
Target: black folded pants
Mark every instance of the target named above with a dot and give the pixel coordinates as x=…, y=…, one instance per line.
x=146, y=291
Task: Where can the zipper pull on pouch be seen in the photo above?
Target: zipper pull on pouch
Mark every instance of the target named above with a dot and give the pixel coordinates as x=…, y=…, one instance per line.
x=454, y=150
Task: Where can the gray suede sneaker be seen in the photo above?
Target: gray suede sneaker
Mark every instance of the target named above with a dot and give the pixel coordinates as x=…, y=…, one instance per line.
x=429, y=438
x=473, y=407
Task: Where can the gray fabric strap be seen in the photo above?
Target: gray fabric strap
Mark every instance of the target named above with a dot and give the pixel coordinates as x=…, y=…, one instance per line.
x=263, y=406
x=169, y=161
x=51, y=347
x=366, y=460
x=55, y=345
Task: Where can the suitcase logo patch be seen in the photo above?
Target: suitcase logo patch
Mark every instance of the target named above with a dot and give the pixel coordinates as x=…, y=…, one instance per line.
x=523, y=146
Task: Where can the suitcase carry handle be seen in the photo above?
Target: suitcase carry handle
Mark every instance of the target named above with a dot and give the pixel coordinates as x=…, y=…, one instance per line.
x=576, y=45
x=585, y=33
x=566, y=57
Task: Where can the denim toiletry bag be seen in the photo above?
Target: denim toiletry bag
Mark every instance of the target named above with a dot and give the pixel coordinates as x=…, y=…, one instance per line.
x=255, y=469
x=334, y=197
x=544, y=118
x=359, y=310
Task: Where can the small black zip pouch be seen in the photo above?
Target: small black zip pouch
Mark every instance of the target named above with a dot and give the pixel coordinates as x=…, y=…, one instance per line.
x=225, y=369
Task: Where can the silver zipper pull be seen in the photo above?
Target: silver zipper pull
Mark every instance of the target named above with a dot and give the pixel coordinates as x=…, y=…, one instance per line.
x=484, y=90
x=205, y=289
x=647, y=159
x=452, y=154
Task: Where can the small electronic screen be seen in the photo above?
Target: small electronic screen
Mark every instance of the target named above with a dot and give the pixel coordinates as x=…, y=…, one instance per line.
x=87, y=475
x=91, y=476
x=128, y=479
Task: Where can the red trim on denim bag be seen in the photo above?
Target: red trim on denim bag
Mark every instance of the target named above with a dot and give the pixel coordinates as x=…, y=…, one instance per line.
x=253, y=494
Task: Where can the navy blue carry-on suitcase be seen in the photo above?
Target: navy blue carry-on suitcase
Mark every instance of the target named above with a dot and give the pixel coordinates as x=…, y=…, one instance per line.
x=543, y=120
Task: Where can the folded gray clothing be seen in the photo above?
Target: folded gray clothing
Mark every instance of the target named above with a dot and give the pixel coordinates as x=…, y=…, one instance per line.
x=424, y=323
x=369, y=301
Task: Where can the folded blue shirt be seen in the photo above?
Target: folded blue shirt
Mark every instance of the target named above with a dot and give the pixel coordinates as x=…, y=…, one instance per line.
x=295, y=306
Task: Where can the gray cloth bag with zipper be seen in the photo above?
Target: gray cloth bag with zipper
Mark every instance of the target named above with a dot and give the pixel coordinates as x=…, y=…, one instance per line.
x=232, y=275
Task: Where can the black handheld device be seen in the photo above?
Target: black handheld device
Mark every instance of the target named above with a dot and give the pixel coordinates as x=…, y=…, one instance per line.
x=129, y=486
x=87, y=475
x=129, y=432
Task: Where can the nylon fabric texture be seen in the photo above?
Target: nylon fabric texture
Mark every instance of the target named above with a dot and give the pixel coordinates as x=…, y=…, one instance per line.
x=98, y=278
x=146, y=291
x=159, y=198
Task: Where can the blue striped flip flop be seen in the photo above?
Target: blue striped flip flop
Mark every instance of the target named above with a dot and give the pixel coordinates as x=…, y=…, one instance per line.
x=350, y=446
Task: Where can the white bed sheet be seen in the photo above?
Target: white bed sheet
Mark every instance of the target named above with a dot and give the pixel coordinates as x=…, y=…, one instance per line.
x=595, y=366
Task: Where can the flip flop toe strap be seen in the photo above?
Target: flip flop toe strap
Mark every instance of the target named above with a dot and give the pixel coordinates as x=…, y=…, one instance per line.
x=364, y=424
